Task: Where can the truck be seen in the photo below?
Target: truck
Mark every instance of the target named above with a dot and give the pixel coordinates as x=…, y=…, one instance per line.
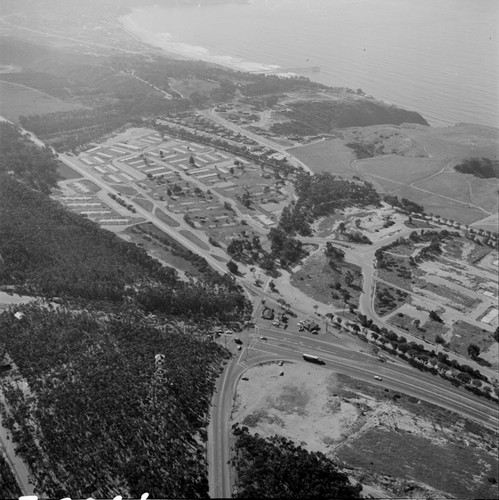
x=313, y=359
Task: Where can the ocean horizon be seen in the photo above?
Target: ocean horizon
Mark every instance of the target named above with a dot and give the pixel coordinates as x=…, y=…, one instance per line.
x=436, y=58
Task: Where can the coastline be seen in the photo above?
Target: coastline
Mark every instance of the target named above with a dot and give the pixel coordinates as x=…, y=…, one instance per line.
x=184, y=51
x=144, y=37
x=165, y=44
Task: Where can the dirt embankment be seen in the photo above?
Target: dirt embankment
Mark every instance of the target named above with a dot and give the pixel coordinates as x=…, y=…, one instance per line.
x=393, y=444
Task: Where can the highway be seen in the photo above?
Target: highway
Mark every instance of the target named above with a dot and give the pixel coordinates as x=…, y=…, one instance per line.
x=290, y=345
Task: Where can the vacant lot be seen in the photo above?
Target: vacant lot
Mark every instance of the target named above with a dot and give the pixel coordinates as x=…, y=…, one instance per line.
x=397, y=445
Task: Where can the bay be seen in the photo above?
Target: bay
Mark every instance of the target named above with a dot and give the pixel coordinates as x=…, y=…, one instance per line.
x=437, y=57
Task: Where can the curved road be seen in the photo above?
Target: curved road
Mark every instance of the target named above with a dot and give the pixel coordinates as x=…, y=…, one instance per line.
x=287, y=345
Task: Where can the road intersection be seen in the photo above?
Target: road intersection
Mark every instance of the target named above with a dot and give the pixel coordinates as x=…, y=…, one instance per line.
x=290, y=345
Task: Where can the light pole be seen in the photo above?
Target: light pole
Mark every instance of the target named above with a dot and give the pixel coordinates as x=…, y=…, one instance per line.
x=158, y=375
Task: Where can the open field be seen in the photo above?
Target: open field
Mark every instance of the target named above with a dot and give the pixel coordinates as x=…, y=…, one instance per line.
x=18, y=100
x=158, y=245
x=327, y=156
x=398, y=446
x=418, y=164
x=190, y=86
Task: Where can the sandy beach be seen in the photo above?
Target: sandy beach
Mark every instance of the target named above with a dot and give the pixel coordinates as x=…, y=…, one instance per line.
x=178, y=50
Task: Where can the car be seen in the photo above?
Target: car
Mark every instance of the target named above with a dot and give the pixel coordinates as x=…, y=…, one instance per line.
x=377, y=377
x=281, y=363
x=244, y=378
x=228, y=332
x=276, y=323
x=263, y=338
x=239, y=347
x=238, y=341
x=301, y=329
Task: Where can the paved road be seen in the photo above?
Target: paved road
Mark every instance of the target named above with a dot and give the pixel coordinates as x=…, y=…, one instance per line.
x=289, y=345
x=213, y=115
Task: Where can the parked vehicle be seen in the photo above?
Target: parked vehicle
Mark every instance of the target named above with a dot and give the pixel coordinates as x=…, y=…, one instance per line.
x=377, y=377
x=238, y=341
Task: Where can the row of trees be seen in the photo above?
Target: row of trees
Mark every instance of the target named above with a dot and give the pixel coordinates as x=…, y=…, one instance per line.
x=422, y=358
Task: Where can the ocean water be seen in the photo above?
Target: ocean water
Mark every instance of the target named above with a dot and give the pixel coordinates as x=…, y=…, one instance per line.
x=437, y=57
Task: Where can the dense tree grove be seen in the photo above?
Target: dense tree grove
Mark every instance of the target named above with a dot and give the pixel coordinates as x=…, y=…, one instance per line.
x=276, y=468
x=97, y=420
x=323, y=117
x=50, y=251
x=21, y=158
x=8, y=484
x=480, y=167
x=403, y=203
x=322, y=194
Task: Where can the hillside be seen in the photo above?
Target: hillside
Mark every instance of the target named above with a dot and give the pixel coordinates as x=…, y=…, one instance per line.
x=322, y=117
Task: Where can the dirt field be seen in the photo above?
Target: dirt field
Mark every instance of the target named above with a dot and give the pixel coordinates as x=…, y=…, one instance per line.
x=397, y=445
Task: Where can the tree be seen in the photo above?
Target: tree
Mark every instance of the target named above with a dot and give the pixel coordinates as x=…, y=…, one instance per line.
x=232, y=267
x=349, y=278
x=473, y=351
x=435, y=317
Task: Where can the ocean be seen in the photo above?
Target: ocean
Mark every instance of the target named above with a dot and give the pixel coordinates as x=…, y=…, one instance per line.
x=437, y=57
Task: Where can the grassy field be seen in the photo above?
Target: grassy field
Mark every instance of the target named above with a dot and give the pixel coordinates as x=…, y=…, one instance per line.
x=424, y=156
x=142, y=202
x=18, y=100
x=192, y=237
x=156, y=249
x=166, y=218
x=327, y=156
x=427, y=331
x=464, y=334
x=66, y=172
x=189, y=87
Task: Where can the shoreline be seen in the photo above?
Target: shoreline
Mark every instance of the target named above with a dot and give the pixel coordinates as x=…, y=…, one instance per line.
x=162, y=43
x=181, y=50
x=159, y=43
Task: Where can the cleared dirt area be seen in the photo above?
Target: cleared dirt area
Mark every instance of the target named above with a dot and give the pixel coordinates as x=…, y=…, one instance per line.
x=397, y=445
